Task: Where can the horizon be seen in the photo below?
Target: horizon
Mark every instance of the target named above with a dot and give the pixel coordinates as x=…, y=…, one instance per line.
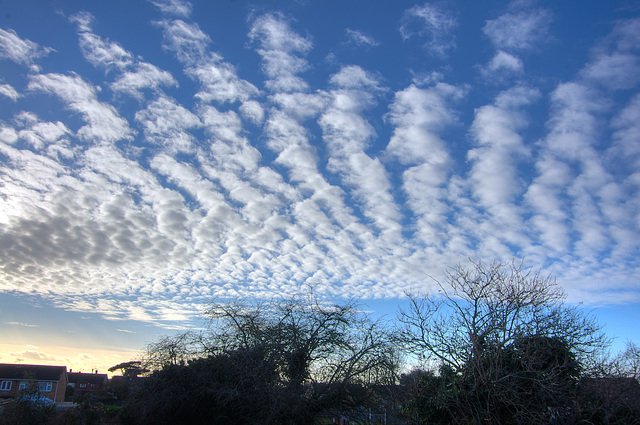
x=157, y=156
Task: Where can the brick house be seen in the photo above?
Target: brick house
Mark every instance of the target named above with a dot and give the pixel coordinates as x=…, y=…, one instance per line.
x=19, y=379
x=87, y=382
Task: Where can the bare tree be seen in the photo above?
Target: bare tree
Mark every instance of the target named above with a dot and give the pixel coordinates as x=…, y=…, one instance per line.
x=510, y=343
x=172, y=350
x=325, y=351
x=313, y=358
x=627, y=363
x=609, y=390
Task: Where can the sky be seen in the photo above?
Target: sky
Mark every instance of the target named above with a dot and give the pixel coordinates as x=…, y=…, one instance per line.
x=157, y=156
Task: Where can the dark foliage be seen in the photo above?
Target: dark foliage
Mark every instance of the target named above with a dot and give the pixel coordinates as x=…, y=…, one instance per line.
x=227, y=388
x=607, y=400
x=533, y=381
x=268, y=363
x=511, y=351
x=27, y=412
x=130, y=370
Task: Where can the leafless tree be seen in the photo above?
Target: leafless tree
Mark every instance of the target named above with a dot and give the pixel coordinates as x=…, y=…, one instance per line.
x=326, y=358
x=627, y=363
x=328, y=349
x=508, y=338
x=172, y=350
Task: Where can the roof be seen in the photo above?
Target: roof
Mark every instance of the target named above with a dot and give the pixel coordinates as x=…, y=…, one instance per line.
x=29, y=371
x=91, y=378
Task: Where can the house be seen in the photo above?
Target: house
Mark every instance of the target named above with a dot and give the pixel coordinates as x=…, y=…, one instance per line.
x=87, y=382
x=20, y=379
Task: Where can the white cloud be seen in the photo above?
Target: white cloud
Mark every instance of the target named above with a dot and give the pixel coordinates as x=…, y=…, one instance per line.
x=279, y=46
x=494, y=176
x=578, y=198
x=44, y=133
x=300, y=105
x=353, y=76
x=230, y=149
x=145, y=76
x=360, y=39
x=186, y=40
x=103, y=120
x=418, y=115
x=173, y=7
x=432, y=23
x=573, y=124
x=165, y=122
x=495, y=160
x=220, y=82
x=504, y=61
x=8, y=135
x=347, y=135
x=20, y=50
x=132, y=75
x=626, y=34
x=34, y=355
x=519, y=29
x=626, y=135
x=218, y=79
x=617, y=71
x=83, y=20
x=8, y=91
x=614, y=60
x=253, y=111
x=26, y=325
x=98, y=51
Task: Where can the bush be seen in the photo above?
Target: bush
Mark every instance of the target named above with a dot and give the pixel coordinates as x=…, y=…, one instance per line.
x=27, y=411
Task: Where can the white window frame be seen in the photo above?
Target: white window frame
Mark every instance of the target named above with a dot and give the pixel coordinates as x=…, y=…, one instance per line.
x=45, y=387
x=23, y=386
x=5, y=386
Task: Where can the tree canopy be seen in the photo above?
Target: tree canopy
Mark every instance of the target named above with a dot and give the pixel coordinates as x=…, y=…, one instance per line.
x=509, y=349
x=500, y=345
x=292, y=361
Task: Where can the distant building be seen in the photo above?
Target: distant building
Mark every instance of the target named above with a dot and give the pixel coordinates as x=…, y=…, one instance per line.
x=20, y=379
x=83, y=383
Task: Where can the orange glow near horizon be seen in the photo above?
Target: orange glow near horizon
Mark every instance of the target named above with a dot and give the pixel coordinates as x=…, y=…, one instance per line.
x=75, y=359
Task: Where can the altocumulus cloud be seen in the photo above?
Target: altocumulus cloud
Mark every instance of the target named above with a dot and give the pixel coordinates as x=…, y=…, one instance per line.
x=155, y=188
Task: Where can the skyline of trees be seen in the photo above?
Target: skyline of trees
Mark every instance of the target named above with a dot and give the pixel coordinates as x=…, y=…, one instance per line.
x=496, y=344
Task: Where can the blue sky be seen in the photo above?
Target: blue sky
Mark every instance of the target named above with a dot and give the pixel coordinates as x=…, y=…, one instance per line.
x=159, y=155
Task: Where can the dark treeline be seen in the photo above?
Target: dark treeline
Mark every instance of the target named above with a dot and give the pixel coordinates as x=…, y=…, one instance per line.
x=495, y=345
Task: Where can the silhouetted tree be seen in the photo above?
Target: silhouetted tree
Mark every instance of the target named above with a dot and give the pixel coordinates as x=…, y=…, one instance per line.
x=609, y=391
x=510, y=350
x=173, y=350
x=237, y=387
x=130, y=369
x=309, y=360
x=27, y=410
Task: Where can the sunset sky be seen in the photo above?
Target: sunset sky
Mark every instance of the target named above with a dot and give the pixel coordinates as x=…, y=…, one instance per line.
x=159, y=155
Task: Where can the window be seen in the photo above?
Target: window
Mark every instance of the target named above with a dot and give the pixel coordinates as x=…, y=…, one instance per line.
x=44, y=387
x=82, y=385
x=23, y=386
x=5, y=385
